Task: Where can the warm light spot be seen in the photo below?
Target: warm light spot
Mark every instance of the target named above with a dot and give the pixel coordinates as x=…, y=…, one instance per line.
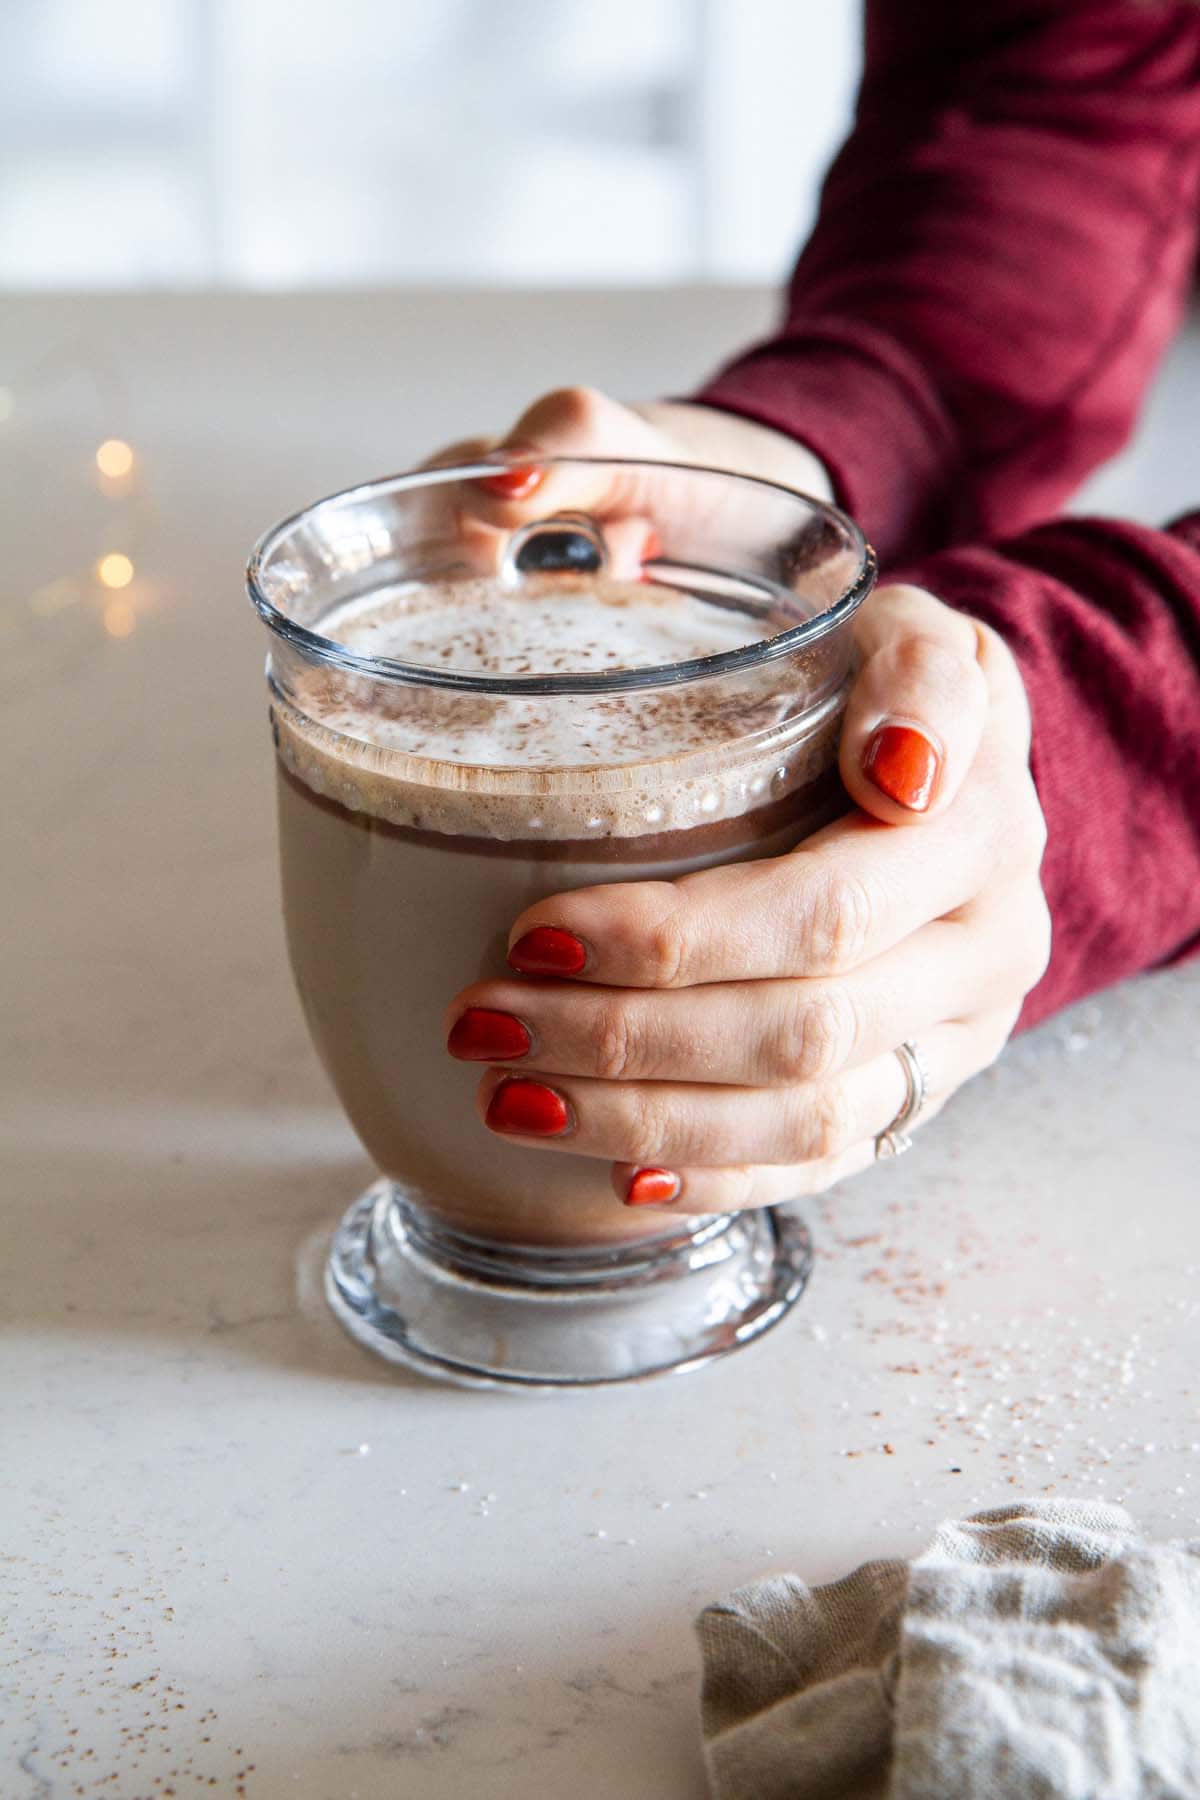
x=114, y=570
x=8, y=403
x=114, y=458
x=119, y=618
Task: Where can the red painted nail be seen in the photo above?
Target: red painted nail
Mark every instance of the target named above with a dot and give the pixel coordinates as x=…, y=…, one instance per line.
x=547, y=950
x=528, y=1108
x=653, y=1187
x=513, y=484
x=481, y=1035
x=903, y=764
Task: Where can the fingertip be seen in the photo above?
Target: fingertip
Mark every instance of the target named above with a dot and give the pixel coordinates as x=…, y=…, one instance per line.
x=912, y=728
x=897, y=779
x=518, y=483
x=548, y=950
x=503, y=498
x=701, y=1192
x=562, y=423
x=904, y=763
x=653, y=1187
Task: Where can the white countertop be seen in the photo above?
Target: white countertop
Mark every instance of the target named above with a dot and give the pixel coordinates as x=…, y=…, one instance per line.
x=242, y=1558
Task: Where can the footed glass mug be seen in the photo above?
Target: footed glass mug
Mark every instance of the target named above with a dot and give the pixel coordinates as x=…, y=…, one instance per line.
x=645, y=677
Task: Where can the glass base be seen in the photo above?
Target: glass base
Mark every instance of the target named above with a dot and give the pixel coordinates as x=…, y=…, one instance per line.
x=490, y=1315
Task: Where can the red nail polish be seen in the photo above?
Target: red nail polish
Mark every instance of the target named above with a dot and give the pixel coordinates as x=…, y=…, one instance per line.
x=481, y=1035
x=547, y=950
x=513, y=484
x=653, y=1187
x=903, y=764
x=527, y=1108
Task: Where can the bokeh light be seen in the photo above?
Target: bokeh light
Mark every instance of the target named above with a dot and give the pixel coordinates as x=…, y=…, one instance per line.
x=119, y=619
x=114, y=570
x=114, y=458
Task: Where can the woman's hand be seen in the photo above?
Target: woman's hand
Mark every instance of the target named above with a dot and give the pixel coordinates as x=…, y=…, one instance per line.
x=727, y=1039
x=583, y=422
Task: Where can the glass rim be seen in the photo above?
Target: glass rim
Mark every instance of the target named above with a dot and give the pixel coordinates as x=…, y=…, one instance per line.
x=601, y=681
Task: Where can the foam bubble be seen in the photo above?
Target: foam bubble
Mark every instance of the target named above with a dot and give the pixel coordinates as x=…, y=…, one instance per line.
x=551, y=766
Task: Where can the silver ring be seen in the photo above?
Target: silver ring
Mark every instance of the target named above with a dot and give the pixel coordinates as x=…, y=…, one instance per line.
x=895, y=1140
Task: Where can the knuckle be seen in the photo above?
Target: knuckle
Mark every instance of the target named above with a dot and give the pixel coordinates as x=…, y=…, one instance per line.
x=740, y=1188
x=571, y=409
x=666, y=949
x=932, y=663
x=837, y=929
x=733, y=1188
x=645, y=1127
x=826, y=1123
x=613, y=1048
x=914, y=611
x=815, y=1037
x=903, y=596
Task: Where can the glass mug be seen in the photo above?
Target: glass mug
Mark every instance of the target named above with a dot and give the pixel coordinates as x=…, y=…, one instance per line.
x=644, y=678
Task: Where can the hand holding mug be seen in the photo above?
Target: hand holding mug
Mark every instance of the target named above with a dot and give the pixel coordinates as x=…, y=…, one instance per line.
x=727, y=1039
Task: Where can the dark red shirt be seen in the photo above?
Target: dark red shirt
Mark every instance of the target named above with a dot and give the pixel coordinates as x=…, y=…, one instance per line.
x=1003, y=251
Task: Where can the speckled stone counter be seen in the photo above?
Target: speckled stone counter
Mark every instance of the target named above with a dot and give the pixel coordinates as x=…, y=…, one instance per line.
x=240, y=1557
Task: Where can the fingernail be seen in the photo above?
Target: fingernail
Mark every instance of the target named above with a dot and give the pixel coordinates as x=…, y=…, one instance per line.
x=514, y=484
x=903, y=764
x=481, y=1035
x=528, y=1108
x=653, y=1187
x=547, y=950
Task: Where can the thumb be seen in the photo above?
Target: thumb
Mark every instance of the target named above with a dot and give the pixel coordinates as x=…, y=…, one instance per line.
x=917, y=709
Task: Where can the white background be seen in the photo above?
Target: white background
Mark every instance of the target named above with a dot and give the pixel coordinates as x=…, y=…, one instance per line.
x=266, y=144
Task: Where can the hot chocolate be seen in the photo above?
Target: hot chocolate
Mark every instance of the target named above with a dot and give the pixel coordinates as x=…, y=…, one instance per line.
x=417, y=822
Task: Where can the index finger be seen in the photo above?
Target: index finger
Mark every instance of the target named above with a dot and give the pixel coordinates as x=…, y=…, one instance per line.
x=576, y=451
x=842, y=897
x=570, y=422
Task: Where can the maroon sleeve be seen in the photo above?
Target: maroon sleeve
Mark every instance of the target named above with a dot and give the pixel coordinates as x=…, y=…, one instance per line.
x=1000, y=257
x=1104, y=620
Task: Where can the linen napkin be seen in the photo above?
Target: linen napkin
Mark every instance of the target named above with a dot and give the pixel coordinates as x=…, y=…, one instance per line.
x=1038, y=1650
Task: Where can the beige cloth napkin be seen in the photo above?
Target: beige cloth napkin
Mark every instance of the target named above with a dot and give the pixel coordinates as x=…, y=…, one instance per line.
x=1038, y=1650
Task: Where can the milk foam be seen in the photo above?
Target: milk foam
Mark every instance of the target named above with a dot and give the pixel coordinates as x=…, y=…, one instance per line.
x=551, y=766
x=548, y=625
